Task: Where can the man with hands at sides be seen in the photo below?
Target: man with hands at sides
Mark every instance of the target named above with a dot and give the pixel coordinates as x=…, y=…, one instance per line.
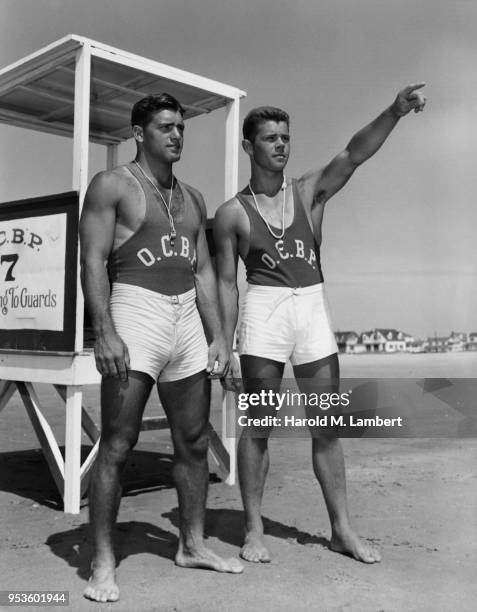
x=143, y=231
x=274, y=224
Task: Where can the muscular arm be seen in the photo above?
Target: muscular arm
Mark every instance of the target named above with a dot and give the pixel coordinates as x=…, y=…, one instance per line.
x=227, y=251
x=207, y=304
x=97, y=226
x=319, y=187
x=226, y=243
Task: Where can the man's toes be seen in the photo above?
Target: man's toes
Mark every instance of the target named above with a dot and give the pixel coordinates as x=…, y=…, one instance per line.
x=235, y=566
x=91, y=593
x=369, y=556
x=113, y=595
x=265, y=557
x=250, y=556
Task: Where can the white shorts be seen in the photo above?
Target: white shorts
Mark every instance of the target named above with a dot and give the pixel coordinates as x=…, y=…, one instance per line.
x=163, y=333
x=284, y=324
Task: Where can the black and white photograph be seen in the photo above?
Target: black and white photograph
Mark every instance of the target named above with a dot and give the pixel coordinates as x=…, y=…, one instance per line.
x=238, y=290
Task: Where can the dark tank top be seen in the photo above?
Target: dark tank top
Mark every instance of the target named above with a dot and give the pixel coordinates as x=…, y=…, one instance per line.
x=292, y=261
x=147, y=258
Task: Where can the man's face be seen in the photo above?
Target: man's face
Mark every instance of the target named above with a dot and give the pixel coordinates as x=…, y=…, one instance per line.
x=271, y=147
x=163, y=136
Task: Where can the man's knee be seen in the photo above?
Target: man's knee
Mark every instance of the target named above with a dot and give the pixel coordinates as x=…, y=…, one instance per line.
x=192, y=444
x=117, y=445
x=324, y=436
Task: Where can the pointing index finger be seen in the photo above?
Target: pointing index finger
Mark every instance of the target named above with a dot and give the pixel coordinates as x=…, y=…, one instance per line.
x=413, y=87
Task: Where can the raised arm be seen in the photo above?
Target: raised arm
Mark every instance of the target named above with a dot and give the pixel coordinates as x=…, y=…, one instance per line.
x=320, y=186
x=207, y=304
x=97, y=226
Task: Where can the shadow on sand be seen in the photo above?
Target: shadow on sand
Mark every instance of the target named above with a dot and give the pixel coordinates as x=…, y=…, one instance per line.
x=131, y=538
x=26, y=473
x=135, y=537
x=227, y=526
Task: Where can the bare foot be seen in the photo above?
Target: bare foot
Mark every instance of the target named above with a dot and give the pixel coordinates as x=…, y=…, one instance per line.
x=102, y=584
x=206, y=559
x=348, y=543
x=254, y=549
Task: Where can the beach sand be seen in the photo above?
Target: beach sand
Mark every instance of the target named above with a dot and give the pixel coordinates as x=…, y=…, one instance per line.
x=414, y=498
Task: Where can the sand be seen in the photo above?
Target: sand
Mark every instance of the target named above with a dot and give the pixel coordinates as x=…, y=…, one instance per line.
x=416, y=499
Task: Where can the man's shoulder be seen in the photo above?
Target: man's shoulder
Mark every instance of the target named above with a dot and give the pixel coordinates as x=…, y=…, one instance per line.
x=193, y=191
x=116, y=178
x=230, y=215
x=110, y=187
x=230, y=208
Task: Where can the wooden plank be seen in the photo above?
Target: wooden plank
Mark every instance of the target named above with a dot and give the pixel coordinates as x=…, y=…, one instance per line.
x=137, y=93
x=93, y=433
x=152, y=423
x=232, y=135
x=232, y=127
x=219, y=453
x=72, y=493
x=86, y=468
x=229, y=441
x=162, y=70
x=81, y=159
x=44, y=434
x=131, y=83
x=61, y=112
x=47, y=54
x=26, y=75
x=59, y=128
x=87, y=423
x=89, y=426
x=8, y=388
x=111, y=156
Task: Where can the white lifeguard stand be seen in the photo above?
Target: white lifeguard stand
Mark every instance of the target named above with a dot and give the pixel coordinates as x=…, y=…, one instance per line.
x=84, y=89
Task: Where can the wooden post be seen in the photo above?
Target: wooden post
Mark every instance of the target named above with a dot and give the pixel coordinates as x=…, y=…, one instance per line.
x=72, y=491
x=80, y=183
x=231, y=147
x=80, y=158
x=231, y=185
x=111, y=156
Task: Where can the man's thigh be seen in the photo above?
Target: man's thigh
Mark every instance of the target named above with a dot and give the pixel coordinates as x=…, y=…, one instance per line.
x=123, y=402
x=261, y=374
x=320, y=378
x=186, y=403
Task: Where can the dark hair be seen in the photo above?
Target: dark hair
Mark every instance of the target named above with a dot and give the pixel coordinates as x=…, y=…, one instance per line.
x=259, y=115
x=145, y=108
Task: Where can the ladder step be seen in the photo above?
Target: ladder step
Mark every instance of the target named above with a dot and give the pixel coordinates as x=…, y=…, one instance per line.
x=150, y=423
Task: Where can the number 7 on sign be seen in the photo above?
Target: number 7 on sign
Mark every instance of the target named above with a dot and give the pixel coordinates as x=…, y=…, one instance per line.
x=13, y=258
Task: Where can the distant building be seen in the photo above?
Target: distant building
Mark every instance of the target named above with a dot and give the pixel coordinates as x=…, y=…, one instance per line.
x=437, y=344
x=383, y=340
x=348, y=342
x=390, y=340
x=417, y=346
x=456, y=341
x=471, y=344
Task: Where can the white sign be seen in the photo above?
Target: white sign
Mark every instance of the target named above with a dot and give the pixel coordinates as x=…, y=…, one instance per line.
x=32, y=272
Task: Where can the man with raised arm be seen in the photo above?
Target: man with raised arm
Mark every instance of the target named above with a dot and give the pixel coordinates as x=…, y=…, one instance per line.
x=274, y=225
x=143, y=231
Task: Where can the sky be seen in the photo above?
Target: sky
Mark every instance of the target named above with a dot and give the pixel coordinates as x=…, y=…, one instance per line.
x=399, y=239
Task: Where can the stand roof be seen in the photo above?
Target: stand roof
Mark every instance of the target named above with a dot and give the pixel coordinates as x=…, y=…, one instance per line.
x=38, y=91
